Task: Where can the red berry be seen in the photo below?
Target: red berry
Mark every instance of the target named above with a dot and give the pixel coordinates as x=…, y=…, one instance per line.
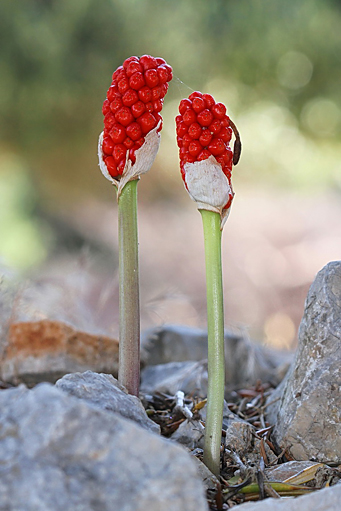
x=183, y=151
x=189, y=117
x=157, y=105
x=198, y=105
x=148, y=62
x=228, y=156
x=205, y=138
x=221, y=161
x=128, y=143
x=194, y=148
x=184, y=105
x=225, y=134
x=205, y=117
x=124, y=116
x=132, y=156
x=115, y=105
x=158, y=92
x=219, y=110
x=164, y=88
x=118, y=73
x=162, y=73
x=119, y=152
x=204, y=155
x=147, y=122
x=181, y=129
x=120, y=167
x=145, y=94
x=151, y=78
x=215, y=126
x=149, y=107
x=134, y=131
x=136, y=81
x=129, y=60
x=111, y=166
x=117, y=133
x=138, y=108
x=186, y=140
x=188, y=158
x=217, y=147
x=108, y=145
x=130, y=97
x=123, y=85
x=195, y=94
x=194, y=130
x=209, y=100
x=109, y=120
x=133, y=67
x=160, y=61
x=113, y=93
x=106, y=107
x=139, y=143
x=170, y=72
x=225, y=122
x=179, y=141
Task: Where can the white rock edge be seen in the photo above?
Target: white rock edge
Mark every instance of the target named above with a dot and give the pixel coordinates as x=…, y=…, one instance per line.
x=208, y=186
x=145, y=157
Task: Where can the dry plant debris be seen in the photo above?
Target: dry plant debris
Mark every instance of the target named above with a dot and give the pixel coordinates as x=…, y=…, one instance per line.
x=267, y=471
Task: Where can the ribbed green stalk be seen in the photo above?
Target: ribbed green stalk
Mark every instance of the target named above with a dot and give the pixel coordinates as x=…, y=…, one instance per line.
x=215, y=327
x=129, y=299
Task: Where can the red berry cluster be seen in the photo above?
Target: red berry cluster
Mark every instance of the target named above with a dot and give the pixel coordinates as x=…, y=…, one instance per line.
x=132, y=108
x=203, y=129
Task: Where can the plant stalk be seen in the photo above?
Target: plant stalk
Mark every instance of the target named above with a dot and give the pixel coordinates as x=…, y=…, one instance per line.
x=129, y=300
x=215, y=327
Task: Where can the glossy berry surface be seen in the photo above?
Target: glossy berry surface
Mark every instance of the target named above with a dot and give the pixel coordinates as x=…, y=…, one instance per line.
x=202, y=129
x=132, y=108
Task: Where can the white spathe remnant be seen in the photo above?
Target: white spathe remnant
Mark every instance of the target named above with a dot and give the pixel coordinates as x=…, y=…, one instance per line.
x=145, y=157
x=208, y=186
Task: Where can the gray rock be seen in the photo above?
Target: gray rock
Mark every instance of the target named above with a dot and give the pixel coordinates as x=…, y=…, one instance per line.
x=190, y=433
x=59, y=453
x=245, y=361
x=190, y=377
x=104, y=392
x=241, y=439
x=321, y=500
x=211, y=482
x=307, y=413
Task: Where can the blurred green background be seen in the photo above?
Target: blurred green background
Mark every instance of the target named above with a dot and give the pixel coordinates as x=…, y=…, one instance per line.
x=276, y=65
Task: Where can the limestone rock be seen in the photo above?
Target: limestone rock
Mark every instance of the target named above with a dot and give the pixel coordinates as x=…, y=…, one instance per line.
x=59, y=453
x=245, y=361
x=307, y=413
x=105, y=392
x=190, y=377
x=46, y=350
x=241, y=439
x=190, y=433
x=321, y=500
x=211, y=482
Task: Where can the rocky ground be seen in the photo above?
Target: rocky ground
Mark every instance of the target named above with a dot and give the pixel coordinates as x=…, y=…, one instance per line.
x=78, y=441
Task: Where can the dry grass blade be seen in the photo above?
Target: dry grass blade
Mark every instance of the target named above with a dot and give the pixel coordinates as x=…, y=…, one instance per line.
x=304, y=476
x=252, y=491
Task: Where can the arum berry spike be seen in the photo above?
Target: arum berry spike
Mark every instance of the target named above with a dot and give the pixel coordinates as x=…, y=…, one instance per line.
x=127, y=148
x=203, y=135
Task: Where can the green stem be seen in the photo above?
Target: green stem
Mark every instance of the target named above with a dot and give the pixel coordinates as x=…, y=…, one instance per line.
x=215, y=327
x=129, y=302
